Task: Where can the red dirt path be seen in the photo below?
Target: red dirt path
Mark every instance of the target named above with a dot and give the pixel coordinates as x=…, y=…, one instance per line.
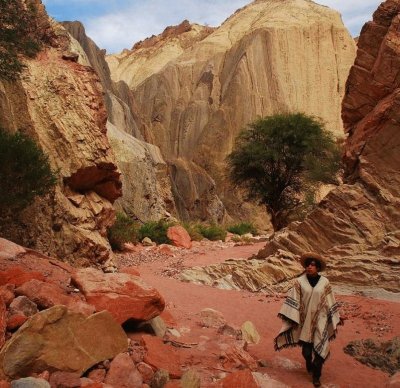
x=366, y=318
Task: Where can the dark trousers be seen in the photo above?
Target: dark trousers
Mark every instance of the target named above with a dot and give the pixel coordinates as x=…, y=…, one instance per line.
x=312, y=364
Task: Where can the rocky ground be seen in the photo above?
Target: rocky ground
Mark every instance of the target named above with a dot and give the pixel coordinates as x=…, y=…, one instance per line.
x=212, y=348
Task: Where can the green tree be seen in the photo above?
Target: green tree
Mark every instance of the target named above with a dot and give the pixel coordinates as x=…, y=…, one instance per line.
x=19, y=35
x=25, y=172
x=280, y=161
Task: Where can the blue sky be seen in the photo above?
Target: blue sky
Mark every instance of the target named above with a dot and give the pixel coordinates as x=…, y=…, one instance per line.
x=118, y=24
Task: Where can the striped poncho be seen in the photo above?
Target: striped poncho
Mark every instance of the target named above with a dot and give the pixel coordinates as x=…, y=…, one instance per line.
x=309, y=315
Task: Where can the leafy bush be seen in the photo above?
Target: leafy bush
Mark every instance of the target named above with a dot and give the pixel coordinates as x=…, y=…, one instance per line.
x=281, y=157
x=19, y=35
x=212, y=232
x=25, y=172
x=193, y=230
x=124, y=230
x=242, y=228
x=156, y=231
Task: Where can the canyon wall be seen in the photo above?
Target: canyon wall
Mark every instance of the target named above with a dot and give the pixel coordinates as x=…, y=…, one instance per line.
x=146, y=186
x=357, y=226
x=58, y=101
x=270, y=56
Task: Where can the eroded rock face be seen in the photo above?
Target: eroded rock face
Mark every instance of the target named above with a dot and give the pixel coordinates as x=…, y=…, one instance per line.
x=146, y=193
x=357, y=225
x=270, y=56
x=59, y=102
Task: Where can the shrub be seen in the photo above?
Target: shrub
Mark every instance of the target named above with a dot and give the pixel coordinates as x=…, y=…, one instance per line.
x=19, y=35
x=193, y=230
x=242, y=228
x=281, y=157
x=156, y=231
x=212, y=232
x=124, y=230
x=25, y=172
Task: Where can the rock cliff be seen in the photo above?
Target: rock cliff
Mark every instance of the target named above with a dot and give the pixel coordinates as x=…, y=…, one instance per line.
x=270, y=56
x=357, y=226
x=59, y=102
x=146, y=189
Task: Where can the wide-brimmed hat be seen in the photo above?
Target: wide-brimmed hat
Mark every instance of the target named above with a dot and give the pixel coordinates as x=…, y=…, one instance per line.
x=314, y=256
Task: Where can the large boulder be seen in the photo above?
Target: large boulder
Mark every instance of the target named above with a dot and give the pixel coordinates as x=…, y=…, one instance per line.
x=125, y=296
x=57, y=339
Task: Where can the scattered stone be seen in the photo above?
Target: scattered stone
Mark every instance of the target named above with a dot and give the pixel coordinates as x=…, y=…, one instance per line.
x=285, y=363
x=7, y=293
x=234, y=356
x=65, y=380
x=249, y=333
x=162, y=356
x=146, y=371
x=23, y=305
x=160, y=379
x=230, y=331
x=375, y=354
x=123, y=373
x=211, y=318
x=190, y=379
x=242, y=378
x=57, y=339
x=158, y=325
x=179, y=236
x=30, y=382
x=147, y=242
x=124, y=296
x=97, y=375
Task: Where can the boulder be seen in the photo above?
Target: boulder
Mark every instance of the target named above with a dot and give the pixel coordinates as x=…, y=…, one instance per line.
x=211, y=318
x=62, y=379
x=249, y=333
x=23, y=305
x=7, y=293
x=125, y=296
x=179, y=236
x=46, y=295
x=57, y=339
x=234, y=356
x=123, y=373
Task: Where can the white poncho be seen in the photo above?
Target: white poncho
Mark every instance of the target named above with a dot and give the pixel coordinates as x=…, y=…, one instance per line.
x=309, y=315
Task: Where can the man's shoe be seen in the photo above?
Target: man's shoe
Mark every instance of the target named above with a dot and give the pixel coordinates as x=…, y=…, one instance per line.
x=316, y=382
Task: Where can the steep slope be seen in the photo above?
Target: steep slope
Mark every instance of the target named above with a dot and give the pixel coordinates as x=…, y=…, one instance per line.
x=358, y=224
x=270, y=56
x=59, y=103
x=146, y=189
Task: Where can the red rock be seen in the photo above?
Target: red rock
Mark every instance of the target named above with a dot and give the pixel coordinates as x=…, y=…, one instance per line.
x=7, y=293
x=394, y=381
x=179, y=236
x=64, y=380
x=212, y=318
x=130, y=270
x=173, y=384
x=23, y=305
x=93, y=385
x=125, y=296
x=15, y=321
x=146, y=371
x=97, y=375
x=165, y=250
x=123, y=373
x=3, y=322
x=234, y=356
x=17, y=275
x=4, y=384
x=168, y=318
x=162, y=356
x=10, y=250
x=240, y=379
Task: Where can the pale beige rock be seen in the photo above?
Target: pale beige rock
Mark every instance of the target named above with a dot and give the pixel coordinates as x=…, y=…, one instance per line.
x=270, y=56
x=250, y=333
x=56, y=339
